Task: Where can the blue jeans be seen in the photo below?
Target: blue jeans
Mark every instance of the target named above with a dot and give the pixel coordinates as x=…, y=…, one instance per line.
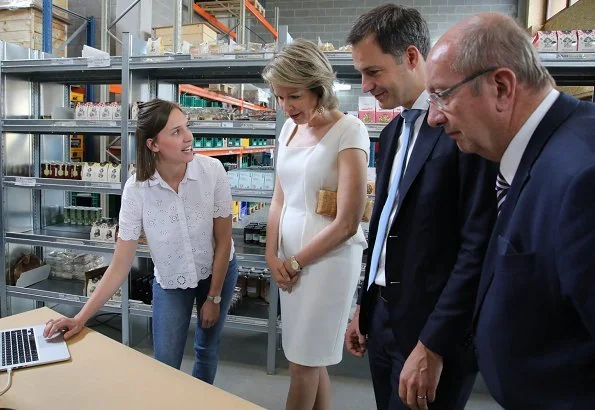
x=172, y=310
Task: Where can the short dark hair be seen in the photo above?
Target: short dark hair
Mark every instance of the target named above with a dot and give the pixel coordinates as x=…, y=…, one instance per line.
x=395, y=28
x=152, y=118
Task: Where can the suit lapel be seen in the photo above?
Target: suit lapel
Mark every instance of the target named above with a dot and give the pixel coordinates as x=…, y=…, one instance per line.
x=390, y=142
x=424, y=145
x=562, y=108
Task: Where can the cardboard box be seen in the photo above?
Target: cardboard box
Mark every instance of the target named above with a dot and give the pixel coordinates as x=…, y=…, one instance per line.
x=257, y=180
x=80, y=113
x=546, y=41
x=245, y=180
x=567, y=40
x=366, y=109
x=192, y=33
x=269, y=181
x=233, y=178
x=586, y=40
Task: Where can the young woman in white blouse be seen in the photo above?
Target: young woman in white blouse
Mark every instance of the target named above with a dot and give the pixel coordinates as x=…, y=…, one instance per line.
x=183, y=203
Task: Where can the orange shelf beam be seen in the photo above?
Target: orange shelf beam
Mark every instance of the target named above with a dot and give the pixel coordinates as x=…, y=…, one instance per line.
x=252, y=9
x=201, y=92
x=115, y=88
x=213, y=21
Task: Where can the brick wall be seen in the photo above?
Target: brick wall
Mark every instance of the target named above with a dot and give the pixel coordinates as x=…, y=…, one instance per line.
x=332, y=19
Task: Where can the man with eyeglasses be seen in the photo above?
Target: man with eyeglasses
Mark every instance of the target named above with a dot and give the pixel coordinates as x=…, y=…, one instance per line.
x=534, y=323
x=433, y=213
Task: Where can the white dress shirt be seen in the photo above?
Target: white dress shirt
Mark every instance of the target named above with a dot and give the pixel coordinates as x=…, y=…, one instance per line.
x=178, y=226
x=514, y=152
x=420, y=104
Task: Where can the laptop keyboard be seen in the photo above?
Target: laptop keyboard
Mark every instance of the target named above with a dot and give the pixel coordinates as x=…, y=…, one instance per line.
x=18, y=347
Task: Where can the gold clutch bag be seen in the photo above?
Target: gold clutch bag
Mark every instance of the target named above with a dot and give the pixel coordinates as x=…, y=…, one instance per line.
x=326, y=205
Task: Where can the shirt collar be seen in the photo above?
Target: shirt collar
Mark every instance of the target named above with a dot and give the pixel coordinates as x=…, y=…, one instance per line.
x=192, y=172
x=422, y=102
x=514, y=152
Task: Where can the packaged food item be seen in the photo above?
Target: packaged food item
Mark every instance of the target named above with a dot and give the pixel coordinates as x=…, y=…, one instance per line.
x=586, y=40
x=105, y=112
x=154, y=47
x=567, y=40
x=366, y=109
x=80, y=112
x=113, y=173
x=546, y=41
x=116, y=111
x=100, y=171
x=382, y=116
x=93, y=111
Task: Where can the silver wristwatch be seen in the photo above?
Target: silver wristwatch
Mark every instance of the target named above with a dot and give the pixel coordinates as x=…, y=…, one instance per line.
x=215, y=299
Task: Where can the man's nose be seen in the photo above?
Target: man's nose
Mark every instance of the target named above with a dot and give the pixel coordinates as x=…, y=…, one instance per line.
x=436, y=117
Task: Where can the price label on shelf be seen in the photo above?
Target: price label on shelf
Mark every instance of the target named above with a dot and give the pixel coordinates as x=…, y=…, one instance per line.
x=25, y=181
x=227, y=124
x=63, y=61
x=103, y=61
x=112, y=303
x=72, y=298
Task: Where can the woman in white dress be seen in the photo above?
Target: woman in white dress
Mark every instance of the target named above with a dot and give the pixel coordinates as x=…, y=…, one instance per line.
x=315, y=259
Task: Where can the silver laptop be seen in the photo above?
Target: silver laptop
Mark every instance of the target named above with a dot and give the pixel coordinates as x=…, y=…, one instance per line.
x=26, y=346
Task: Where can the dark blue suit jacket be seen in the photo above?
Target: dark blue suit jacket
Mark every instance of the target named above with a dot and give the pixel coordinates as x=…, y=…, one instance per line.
x=437, y=242
x=535, y=317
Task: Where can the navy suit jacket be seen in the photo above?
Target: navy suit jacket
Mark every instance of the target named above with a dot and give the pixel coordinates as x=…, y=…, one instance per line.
x=445, y=213
x=535, y=316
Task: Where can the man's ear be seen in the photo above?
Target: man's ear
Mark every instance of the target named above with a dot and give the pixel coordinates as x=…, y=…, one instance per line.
x=412, y=56
x=505, y=82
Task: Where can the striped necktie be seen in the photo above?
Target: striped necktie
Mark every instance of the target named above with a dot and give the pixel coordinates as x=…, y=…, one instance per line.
x=501, y=190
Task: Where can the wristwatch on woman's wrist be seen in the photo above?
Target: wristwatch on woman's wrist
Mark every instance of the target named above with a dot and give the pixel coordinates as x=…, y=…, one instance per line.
x=215, y=299
x=295, y=265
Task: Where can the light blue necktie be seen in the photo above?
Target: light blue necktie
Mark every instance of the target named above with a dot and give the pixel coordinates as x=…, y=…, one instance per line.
x=409, y=117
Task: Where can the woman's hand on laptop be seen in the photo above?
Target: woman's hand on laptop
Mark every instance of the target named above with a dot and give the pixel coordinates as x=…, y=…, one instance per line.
x=66, y=325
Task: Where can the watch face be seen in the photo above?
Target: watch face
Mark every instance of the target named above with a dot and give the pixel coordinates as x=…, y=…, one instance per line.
x=295, y=265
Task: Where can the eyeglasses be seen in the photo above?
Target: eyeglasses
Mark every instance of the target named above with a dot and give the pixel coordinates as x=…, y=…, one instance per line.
x=438, y=98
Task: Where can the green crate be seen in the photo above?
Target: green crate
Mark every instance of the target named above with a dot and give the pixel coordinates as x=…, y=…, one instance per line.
x=197, y=142
x=208, y=142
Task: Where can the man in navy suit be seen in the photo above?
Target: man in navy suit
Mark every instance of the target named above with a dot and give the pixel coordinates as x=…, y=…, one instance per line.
x=534, y=323
x=432, y=218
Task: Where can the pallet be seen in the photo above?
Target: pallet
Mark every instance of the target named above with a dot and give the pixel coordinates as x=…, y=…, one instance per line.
x=24, y=27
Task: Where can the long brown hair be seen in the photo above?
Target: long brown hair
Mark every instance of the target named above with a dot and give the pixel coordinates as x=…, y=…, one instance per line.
x=152, y=118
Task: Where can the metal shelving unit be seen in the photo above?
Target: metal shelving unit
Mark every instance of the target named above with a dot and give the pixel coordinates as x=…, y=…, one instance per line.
x=129, y=71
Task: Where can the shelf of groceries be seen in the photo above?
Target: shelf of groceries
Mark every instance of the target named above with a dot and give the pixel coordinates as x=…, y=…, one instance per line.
x=113, y=127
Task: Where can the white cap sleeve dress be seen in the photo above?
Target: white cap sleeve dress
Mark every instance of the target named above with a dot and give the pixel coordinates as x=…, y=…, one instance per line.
x=314, y=315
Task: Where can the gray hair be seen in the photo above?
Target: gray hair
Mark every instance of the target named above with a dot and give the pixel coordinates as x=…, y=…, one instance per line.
x=302, y=65
x=395, y=28
x=499, y=43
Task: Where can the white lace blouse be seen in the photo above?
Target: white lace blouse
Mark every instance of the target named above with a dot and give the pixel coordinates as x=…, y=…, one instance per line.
x=178, y=226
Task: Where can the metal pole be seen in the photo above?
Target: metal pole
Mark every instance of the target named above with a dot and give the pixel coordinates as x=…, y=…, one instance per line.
x=124, y=163
x=114, y=37
x=72, y=13
x=104, y=44
x=178, y=26
x=190, y=11
x=134, y=3
x=104, y=38
x=46, y=43
x=241, y=39
x=277, y=19
x=72, y=37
